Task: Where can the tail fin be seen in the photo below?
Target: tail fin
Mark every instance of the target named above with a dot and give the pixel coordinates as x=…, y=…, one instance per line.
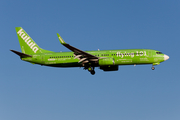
x=28, y=46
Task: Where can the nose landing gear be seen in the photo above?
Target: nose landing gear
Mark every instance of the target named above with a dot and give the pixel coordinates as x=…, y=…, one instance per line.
x=153, y=68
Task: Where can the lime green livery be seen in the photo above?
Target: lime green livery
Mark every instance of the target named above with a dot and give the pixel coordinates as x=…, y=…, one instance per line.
x=107, y=60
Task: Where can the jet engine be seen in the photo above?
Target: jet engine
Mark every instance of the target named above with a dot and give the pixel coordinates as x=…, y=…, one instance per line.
x=108, y=64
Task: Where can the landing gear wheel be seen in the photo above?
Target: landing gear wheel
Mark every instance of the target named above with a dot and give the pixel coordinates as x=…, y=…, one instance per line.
x=153, y=68
x=92, y=72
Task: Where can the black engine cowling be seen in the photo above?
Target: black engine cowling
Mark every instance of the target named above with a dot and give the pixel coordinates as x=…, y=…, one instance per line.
x=109, y=68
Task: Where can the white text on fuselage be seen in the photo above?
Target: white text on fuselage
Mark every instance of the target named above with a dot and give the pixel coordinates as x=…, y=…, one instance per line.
x=132, y=54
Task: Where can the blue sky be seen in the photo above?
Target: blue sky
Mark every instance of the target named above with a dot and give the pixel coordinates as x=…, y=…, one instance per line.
x=36, y=92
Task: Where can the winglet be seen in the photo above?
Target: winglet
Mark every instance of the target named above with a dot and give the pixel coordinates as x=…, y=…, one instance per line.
x=60, y=39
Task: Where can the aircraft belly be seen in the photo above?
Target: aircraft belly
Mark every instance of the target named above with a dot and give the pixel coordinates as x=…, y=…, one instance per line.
x=65, y=65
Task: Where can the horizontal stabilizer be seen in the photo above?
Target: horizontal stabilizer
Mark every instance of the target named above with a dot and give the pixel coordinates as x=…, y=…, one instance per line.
x=21, y=54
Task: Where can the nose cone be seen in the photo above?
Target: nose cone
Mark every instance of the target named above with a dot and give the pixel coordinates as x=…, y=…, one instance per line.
x=166, y=57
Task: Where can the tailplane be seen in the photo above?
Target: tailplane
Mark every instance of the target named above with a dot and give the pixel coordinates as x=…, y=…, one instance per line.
x=21, y=54
x=28, y=46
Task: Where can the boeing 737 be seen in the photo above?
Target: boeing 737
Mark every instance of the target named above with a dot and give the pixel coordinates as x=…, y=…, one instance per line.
x=106, y=60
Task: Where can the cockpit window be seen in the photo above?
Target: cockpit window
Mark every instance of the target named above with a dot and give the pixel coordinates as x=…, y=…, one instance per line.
x=159, y=53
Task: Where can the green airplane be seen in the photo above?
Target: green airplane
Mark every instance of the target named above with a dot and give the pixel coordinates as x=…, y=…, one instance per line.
x=107, y=60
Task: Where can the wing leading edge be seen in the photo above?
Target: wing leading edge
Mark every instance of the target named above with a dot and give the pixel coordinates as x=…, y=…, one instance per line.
x=83, y=57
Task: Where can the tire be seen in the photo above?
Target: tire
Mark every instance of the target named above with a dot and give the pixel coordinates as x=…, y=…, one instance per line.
x=92, y=72
x=153, y=68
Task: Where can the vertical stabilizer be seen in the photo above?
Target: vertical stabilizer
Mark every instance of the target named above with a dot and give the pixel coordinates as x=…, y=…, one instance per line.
x=28, y=46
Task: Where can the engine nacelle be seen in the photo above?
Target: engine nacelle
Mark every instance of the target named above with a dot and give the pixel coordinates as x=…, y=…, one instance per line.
x=109, y=68
x=106, y=61
x=108, y=64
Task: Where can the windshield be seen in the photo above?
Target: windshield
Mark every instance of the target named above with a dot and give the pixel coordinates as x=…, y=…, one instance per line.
x=159, y=53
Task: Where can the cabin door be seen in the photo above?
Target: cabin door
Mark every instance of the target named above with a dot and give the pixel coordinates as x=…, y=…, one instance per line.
x=43, y=58
x=150, y=53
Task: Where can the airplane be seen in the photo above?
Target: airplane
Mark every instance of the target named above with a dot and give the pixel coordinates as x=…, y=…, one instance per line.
x=106, y=60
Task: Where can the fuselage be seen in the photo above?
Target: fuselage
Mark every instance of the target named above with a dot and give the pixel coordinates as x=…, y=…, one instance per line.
x=106, y=60
x=120, y=57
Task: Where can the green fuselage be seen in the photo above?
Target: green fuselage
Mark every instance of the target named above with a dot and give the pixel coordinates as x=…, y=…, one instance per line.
x=120, y=57
x=107, y=60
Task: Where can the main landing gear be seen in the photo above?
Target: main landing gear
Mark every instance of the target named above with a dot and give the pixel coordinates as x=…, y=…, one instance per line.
x=91, y=70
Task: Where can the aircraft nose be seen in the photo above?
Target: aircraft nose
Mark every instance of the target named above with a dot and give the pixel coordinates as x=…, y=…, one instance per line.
x=166, y=57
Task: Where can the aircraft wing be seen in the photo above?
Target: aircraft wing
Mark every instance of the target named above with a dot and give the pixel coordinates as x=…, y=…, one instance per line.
x=81, y=55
